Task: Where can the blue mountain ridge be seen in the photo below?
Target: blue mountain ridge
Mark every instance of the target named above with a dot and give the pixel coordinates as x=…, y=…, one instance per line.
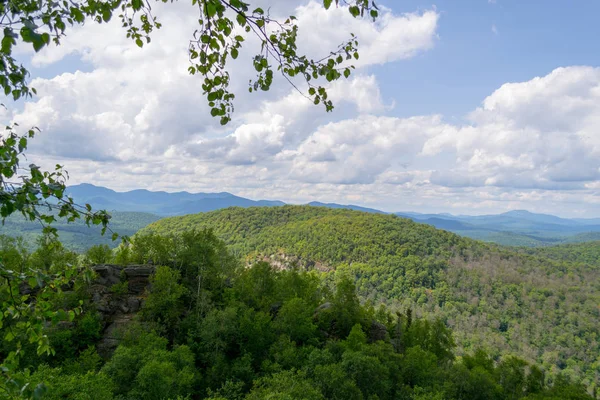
x=160, y=203
x=512, y=227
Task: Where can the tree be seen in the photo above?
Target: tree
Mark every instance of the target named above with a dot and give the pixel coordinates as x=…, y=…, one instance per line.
x=285, y=385
x=223, y=27
x=99, y=254
x=165, y=301
x=295, y=319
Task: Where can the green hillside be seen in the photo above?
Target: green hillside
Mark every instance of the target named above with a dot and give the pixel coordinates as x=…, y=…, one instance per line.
x=77, y=236
x=587, y=253
x=210, y=328
x=502, y=300
x=536, y=239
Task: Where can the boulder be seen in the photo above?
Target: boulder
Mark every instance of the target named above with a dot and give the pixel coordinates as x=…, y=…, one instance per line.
x=118, y=309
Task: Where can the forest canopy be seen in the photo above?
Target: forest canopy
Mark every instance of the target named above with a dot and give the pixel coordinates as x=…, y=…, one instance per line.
x=507, y=302
x=212, y=328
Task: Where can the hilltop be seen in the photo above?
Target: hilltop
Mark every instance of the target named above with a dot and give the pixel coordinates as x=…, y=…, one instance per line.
x=513, y=228
x=505, y=301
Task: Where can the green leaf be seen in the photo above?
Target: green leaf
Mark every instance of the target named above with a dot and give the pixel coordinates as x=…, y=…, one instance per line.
x=139, y=42
x=106, y=14
x=234, y=53
x=77, y=14
x=38, y=42
x=211, y=9
x=136, y=4
x=32, y=282
x=327, y=4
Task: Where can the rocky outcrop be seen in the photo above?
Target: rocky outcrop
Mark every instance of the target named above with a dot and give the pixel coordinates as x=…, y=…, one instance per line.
x=118, y=294
x=282, y=261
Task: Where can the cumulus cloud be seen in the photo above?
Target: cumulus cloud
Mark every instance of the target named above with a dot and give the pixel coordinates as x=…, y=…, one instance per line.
x=391, y=38
x=538, y=134
x=359, y=150
x=137, y=119
x=137, y=103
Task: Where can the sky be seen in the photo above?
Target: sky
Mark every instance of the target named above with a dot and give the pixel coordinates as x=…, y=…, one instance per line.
x=466, y=107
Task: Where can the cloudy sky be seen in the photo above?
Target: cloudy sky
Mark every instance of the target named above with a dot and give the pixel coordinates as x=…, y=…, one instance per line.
x=463, y=106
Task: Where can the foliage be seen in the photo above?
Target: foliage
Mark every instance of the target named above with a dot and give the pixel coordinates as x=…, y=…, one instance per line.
x=77, y=386
x=144, y=368
x=165, y=302
x=37, y=196
x=543, y=309
x=40, y=195
x=264, y=333
x=223, y=26
x=99, y=254
x=581, y=253
x=76, y=235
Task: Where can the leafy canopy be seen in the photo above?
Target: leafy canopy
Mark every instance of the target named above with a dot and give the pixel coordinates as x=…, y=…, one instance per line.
x=223, y=26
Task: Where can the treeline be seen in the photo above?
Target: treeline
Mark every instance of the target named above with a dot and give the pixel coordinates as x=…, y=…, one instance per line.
x=211, y=328
x=77, y=236
x=582, y=253
x=508, y=302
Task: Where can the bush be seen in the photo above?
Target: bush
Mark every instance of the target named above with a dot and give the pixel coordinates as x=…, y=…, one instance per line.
x=99, y=254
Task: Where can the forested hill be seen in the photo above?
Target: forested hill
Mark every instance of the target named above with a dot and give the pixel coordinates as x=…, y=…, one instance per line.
x=507, y=302
x=584, y=253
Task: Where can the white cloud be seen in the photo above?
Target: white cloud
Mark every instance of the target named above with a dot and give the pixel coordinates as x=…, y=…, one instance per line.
x=538, y=134
x=359, y=150
x=137, y=119
x=137, y=103
x=390, y=38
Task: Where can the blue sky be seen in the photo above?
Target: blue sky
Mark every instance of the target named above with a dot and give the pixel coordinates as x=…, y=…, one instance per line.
x=470, y=61
x=456, y=106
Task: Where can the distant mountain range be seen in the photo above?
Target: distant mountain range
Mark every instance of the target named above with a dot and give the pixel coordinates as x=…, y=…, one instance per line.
x=513, y=228
x=160, y=203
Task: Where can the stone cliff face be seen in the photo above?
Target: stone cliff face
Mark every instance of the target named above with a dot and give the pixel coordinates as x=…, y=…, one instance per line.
x=118, y=293
x=283, y=261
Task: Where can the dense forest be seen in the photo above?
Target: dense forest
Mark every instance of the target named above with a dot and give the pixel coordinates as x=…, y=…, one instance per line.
x=544, y=310
x=587, y=253
x=213, y=328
